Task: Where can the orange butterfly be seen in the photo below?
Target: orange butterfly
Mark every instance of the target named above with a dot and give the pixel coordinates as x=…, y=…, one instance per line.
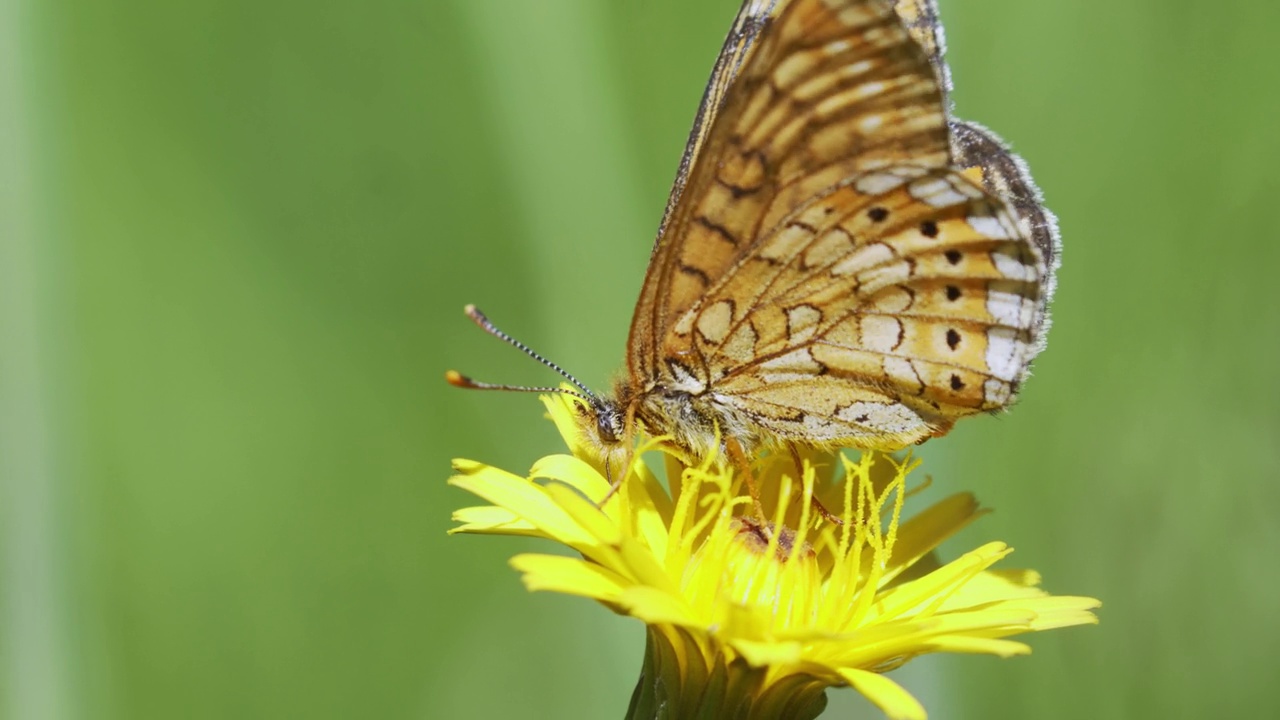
x=839, y=264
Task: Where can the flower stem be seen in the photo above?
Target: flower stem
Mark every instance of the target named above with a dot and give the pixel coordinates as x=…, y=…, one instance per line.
x=678, y=682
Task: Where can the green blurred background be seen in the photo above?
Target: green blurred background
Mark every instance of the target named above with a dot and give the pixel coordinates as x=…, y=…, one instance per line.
x=237, y=237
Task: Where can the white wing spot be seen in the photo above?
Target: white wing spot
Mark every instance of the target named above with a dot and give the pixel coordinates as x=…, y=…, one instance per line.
x=713, y=323
x=830, y=247
x=894, y=299
x=1007, y=306
x=856, y=14
x=853, y=69
x=1010, y=265
x=837, y=46
x=864, y=258
x=802, y=322
x=989, y=226
x=684, y=325
x=935, y=192
x=888, y=274
x=880, y=333
x=893, y=418
x=996, y=392
x=742, y=344
x=901, y=370
x=870, y=123
x=877, y=183
x=684, y=379
x=1003, y=353
x=795, y=365
x=786, y=244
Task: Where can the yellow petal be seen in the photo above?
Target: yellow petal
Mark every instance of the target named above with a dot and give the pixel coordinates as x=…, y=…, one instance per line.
x=761, y=654
x=491, y=520
x=978, y=645
x=995, y=585
x=584, y=512
x=569, y=575
x=905, y=637
x=657, y=607
x=562, y=410
x=651, y=510
x=658, y=551
x=926, y=531
x=523, y=497
x=932, y=590
x=886, y=694
x=572, y=472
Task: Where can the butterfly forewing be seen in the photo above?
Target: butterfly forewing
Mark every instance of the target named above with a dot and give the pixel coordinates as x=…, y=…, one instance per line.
x=830, y=89
x=753, y=17
x=824, y=271
x=921, y=20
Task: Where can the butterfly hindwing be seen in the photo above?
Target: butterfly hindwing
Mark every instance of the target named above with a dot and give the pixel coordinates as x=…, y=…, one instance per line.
x=925, y=293
x=982, y=153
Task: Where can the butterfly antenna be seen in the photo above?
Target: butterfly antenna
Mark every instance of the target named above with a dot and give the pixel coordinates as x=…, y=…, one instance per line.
x=457, y=379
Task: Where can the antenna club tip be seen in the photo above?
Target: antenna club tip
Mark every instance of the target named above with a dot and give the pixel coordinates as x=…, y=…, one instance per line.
x=468, y=309
x=457, y=379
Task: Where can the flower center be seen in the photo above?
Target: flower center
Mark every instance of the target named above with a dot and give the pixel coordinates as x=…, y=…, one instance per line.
x=755, y=536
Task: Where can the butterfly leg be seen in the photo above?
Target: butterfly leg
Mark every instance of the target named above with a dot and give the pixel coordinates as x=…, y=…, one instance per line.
x=818, y=507
x=614, y=483
x=739, y=460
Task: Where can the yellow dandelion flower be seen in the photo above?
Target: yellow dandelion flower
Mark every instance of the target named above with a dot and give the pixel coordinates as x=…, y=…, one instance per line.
x=756, y=618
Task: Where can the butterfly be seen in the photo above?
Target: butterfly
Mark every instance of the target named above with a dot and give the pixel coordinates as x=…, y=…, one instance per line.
x=840, y=263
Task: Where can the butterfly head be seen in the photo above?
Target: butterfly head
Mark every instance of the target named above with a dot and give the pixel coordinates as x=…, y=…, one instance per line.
x=606, y=420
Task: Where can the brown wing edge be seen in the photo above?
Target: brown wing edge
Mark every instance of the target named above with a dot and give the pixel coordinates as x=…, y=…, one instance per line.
x=1006, y=175
x=753, y=17
x=921, y=19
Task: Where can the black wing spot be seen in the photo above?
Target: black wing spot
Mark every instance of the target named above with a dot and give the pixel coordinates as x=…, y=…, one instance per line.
x=877, y=214
x=720, y=231
x=953, y=292
x=736, y=190
x=697, y=273
x=929, y=228
x=956, y=383
x=953, y=256
x=953, y=339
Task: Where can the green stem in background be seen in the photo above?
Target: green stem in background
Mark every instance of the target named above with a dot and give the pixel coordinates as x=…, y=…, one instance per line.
x=36, y=679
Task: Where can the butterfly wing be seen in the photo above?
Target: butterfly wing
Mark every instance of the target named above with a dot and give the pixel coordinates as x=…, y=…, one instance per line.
x=823, y=272
x=878, y=314
x=982, y=153
x=646, y=324
x=922, y=22
x=806, y=93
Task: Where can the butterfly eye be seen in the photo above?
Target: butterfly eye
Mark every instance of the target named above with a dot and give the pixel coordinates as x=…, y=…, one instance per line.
x=609, y=422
